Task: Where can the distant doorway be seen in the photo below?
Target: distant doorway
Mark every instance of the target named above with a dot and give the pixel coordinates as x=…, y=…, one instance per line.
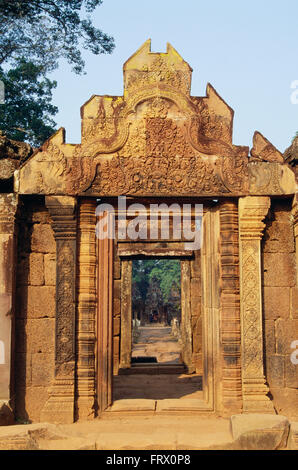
x=156, y=311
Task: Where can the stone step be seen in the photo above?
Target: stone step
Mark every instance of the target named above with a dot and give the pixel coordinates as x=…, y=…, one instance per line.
x=154, y=369
x=241, y=432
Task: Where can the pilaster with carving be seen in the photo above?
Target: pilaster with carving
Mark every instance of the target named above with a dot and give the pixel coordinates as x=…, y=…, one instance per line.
x=252, y=212
x=295, y=225
x=230, y=335
x=86, y=321
x=8, y=208
x=60, y=406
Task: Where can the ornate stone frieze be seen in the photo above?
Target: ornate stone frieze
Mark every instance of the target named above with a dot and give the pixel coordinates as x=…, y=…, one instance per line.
x=159, y=175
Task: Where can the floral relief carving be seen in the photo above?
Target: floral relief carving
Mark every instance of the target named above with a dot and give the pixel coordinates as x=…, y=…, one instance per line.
x=65, y=303
x=159, y=71
x=253, y=351
x=160, y=175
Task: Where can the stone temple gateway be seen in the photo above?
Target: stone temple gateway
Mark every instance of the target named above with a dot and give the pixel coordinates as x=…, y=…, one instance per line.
x=65, y=296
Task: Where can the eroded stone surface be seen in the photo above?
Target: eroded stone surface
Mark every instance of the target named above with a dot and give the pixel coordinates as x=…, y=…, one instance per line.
x=293, y=437
x=6, y=414
x=260, y=431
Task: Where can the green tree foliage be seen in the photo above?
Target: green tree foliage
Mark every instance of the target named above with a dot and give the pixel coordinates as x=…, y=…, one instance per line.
x=43, y=31
x=35, y=35
x=167, y=272
x=26, y=114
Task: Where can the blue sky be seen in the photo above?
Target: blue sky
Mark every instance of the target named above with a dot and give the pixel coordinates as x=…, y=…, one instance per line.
x=247, y=50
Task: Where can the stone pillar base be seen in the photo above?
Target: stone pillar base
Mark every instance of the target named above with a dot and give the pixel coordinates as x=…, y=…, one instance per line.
x=6, y=413
x=85, y=409
x=256, y=399
x=59, y=408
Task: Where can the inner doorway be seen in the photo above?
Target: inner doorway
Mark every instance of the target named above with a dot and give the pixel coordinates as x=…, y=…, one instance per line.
x=156, y=333
x=200, y=291
x=156, y=311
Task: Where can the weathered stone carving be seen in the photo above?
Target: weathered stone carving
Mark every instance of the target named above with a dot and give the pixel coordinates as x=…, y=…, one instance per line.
x=86, y=321
x=163, y=176
x=12, y=154
x=264, y=150
x=8, y=208
x=230, y=333
x=295, y=224
x=60, y=406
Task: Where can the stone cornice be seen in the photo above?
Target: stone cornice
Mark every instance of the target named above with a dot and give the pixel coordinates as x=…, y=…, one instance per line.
x=252, y=212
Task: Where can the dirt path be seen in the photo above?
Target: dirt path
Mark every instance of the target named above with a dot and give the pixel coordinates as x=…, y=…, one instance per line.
x=157, y=341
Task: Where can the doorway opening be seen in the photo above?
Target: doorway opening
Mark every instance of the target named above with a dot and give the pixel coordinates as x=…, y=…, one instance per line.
x=156, y=311
x=120, y=381
x=156, y=332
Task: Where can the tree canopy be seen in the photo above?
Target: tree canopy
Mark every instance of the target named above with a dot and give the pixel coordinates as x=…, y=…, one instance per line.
x=166, y=272
x=27, y=112
x=44, y=31
x=35, y=35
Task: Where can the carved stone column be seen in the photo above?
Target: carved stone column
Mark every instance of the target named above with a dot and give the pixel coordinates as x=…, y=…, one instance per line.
x=126, y=315
x=230, y=331
x=252, y=211
x=86, y=321
x=8, y=207
x=60, y=406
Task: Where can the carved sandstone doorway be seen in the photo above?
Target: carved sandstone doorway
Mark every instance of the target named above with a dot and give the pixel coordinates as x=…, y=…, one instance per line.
x=199, y=310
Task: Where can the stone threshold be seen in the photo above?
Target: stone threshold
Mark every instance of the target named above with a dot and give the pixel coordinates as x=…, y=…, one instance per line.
x=157, y=406
x=154, y=369
x=240, y=432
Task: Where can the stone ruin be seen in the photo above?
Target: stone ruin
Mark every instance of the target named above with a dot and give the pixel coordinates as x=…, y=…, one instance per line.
x=65, y=317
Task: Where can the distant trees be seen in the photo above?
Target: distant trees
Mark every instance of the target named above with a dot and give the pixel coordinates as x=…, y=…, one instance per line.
x=157, y=278
x=27, y=112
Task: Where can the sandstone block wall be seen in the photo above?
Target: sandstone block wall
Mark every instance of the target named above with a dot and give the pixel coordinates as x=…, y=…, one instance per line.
x=35, y=310
x=280, y=306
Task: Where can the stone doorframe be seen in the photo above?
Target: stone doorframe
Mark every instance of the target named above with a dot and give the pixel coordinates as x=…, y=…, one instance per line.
x=212, y=391
x=233, y=375
x=126, y=304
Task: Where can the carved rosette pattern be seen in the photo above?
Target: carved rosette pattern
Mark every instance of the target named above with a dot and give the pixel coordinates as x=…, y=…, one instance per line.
x=230, y=308
x=252, y=211
x=60, y=405
x=86, y=321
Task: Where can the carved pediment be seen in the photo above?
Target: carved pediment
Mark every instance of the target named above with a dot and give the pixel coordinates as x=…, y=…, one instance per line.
x=156, y=139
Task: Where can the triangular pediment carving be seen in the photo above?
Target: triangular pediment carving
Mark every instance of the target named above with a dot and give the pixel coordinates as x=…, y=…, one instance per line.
x=156, y=139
